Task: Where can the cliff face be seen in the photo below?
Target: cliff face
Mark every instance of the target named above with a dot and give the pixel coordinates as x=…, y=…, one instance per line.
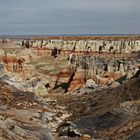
x=91, y=45
x=102, y=66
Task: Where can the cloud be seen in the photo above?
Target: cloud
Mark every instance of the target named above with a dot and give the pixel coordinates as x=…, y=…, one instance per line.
x=69, y=16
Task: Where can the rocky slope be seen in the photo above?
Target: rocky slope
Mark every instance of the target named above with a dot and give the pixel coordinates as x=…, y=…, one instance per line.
x=23, y=115
x=108, y=114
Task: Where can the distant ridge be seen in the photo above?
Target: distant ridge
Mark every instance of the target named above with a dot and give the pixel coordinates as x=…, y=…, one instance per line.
x=75, y=37
x=67, y=35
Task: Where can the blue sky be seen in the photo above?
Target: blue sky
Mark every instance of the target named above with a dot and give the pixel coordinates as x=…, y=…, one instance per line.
x=52, y=17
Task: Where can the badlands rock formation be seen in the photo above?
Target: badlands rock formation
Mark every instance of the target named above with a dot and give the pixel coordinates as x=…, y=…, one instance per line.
x=59, y=88
x=91, y=45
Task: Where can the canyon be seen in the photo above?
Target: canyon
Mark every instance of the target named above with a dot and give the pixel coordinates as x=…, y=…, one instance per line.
x=69, y=88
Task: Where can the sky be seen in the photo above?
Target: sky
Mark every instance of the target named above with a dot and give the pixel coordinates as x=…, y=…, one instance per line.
x=59, y=17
